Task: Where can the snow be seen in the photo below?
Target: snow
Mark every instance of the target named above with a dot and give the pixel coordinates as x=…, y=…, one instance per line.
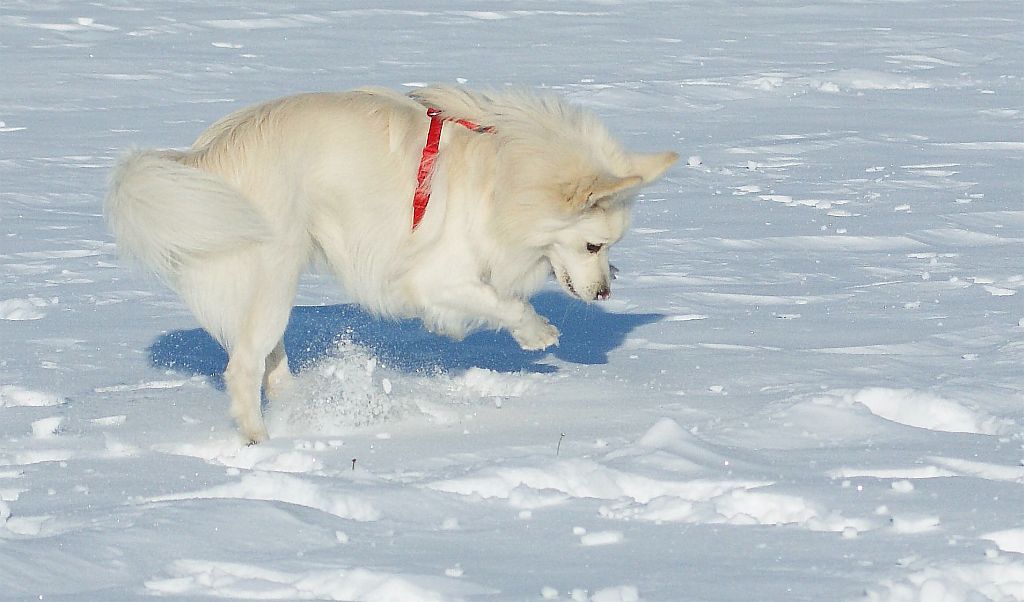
x=12, y=395
x=807, y=385
x=22, y=309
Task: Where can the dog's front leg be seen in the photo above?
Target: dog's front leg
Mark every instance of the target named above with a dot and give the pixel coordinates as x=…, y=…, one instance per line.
x=534, y=332
x=476, y=302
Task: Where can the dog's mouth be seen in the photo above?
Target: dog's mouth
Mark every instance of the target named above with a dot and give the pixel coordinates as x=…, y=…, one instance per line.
x=602, y=294
x=566, y=281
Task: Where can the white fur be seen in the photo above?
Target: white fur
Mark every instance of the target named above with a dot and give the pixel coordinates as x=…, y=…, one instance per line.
x=232, y=222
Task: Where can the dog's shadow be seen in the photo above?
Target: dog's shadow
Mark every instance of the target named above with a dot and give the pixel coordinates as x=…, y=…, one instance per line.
x=588, y=334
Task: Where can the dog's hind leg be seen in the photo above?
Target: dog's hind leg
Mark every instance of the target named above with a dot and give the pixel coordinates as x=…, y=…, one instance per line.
x=257, y=342
x=243, y=383
x=276, y=376
x=255, y=346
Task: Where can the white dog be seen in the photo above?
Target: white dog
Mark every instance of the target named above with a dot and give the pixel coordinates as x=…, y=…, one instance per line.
x=506, y=187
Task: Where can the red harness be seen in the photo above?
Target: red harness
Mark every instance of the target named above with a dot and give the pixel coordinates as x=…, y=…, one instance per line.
x=423, y=176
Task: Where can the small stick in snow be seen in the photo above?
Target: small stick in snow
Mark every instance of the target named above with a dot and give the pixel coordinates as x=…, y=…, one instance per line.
x=559, y=447
x=353, y=463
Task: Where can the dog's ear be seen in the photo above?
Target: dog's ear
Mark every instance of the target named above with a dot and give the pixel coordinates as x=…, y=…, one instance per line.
x=586, y=194
x=651, y=166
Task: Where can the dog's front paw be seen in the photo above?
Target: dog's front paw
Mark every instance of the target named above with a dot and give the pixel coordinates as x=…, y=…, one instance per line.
x=536, y=335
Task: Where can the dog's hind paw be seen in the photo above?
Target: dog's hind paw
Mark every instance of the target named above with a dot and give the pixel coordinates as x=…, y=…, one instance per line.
x=255, y=439
x=536, y=335
x=254, y=435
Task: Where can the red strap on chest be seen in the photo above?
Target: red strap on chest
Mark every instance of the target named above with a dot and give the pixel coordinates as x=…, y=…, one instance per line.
x=421, y=198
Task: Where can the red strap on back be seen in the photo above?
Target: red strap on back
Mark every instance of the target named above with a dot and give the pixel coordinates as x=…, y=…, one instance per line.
x=421, y=198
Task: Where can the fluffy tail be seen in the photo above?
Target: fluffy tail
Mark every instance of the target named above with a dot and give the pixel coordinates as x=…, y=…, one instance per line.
x=166, y=214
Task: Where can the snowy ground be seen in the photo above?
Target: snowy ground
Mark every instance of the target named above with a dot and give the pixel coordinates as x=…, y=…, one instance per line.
x=808, y=385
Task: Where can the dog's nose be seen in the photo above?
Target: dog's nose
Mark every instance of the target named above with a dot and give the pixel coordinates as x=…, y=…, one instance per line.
x=603, y=293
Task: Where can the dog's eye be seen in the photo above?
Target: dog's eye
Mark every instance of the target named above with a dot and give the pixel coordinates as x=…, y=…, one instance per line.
x=594, y=248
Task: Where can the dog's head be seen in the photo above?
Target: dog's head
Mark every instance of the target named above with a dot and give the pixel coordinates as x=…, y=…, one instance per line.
x=562, y=186
x=596, y=209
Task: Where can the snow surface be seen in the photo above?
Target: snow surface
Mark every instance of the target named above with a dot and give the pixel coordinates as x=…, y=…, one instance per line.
x=808, y=384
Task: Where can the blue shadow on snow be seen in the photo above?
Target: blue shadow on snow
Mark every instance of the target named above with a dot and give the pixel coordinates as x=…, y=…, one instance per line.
x=588, y=334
